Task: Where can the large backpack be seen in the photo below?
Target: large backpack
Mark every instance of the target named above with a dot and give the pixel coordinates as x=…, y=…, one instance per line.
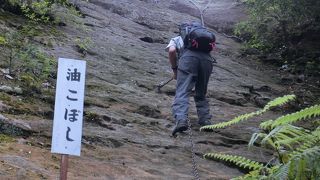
x=196, y=37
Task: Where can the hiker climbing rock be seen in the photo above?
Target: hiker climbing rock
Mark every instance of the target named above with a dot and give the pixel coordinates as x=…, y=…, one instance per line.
x=193, y=69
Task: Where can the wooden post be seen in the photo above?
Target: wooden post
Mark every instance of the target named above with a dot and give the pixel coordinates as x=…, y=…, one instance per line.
x=64, y=166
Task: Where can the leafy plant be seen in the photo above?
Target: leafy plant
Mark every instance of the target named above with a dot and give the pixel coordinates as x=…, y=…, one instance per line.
x=3, y=40
x=276, y=102
x=41, y=11
x=306, y=113
x=288, y=28
x=6, y=139
x=13, y=42
x=27, y=62
x=238, y=160
x=83, y=45
x=36, y=67
x=297, y=149
x=37, y=11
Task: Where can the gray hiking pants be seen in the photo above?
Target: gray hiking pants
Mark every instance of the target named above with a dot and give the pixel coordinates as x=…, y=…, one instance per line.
x=194, y=70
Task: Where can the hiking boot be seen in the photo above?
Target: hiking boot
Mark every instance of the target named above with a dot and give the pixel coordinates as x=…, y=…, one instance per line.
x=181, y=125
x=205, y=122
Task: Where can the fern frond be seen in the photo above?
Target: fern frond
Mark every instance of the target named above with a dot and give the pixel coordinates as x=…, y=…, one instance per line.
x=290, y=142
x=276, y=102
x=252, y=175
x=255, y=137
x=311, y=143
x=261, y=174
x=306, y=113
x=298, y=149
x=282, y=135
x=301, y=169
x=306, y=139
x=310, y=152
x=229, y=123
x=266, y=125
x=280, y=173
x=306, y=161
x=237, y=160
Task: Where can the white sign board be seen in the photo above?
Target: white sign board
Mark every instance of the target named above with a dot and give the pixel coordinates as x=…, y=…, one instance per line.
x=68, y=109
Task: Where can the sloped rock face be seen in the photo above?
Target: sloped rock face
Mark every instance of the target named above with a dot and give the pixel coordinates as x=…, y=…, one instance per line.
x=127, y=125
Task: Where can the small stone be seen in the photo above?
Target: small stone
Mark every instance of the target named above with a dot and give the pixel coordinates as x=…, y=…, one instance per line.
x=3, y=107
x=4, y=71
x=7, y=76
x=9, y=89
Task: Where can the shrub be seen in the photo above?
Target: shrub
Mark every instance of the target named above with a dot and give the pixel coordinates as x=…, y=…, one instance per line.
x=290, y=28
x=297, y=149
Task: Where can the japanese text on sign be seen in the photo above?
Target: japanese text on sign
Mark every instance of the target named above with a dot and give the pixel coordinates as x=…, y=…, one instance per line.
x=68, y=112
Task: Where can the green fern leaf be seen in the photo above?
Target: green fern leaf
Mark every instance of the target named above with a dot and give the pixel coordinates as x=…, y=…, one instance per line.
x=311, y=153
x=237, y=160
x=309, y=141
x=255, y=137
x=266, y=125
x=305, y=146
x=276, y=102
x=304, y=162
x=301, y=169
x=291, y=174
x=281, y=172
x=252, y=175
x=306, y=113
x=282, y=134
x=229, y=123
x=290, y=142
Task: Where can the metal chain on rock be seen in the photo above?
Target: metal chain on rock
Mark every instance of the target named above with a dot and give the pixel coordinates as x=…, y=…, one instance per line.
x=194, y=163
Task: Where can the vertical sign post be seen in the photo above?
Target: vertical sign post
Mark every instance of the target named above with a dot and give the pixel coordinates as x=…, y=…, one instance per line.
x=68, y=111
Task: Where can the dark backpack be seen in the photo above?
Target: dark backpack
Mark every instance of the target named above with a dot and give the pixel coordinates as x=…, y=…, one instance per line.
x=196, y=37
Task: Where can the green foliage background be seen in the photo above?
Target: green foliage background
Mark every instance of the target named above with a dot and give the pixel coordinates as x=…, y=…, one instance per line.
x=26, y=60
x=288, y=29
